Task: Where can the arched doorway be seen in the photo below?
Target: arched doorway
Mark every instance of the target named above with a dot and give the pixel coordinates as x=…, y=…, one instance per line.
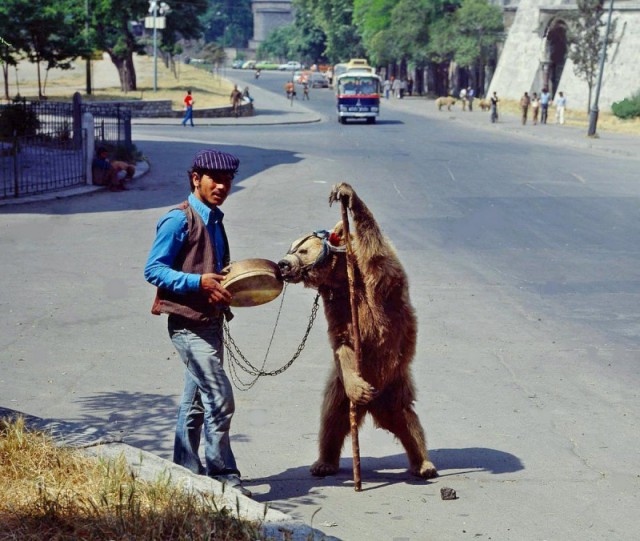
x=556, y=50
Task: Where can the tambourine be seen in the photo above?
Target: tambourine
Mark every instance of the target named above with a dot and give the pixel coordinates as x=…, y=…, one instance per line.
x=252, y=281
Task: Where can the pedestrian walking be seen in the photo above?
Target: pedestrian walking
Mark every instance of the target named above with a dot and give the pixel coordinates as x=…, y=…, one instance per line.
x=535, y=108
x=545, y=98
x=188, y=109
x=525, y=101
x=561, y=104
x=494, y=108
x=186, y=259
x=470, y=96
x=235, y=98
x=463, y=98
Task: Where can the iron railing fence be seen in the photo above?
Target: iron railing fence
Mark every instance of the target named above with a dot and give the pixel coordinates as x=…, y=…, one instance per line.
x=48, y=152
x=34, y=164
x=112, y=123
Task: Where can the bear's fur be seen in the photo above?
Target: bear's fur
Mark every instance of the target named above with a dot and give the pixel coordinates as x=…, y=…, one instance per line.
x=447, y=101
x=485, y=105
x=388, y=331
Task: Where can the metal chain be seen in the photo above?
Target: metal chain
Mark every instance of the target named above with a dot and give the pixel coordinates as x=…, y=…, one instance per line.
x=238, y=360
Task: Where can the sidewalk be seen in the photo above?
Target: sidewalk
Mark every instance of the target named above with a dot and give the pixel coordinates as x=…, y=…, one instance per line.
x=270, y=109
x=620, y=144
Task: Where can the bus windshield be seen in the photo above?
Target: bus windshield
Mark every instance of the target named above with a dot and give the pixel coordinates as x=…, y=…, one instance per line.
x=352, y=85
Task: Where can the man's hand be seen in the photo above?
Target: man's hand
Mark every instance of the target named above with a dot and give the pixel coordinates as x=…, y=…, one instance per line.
x=210, y=284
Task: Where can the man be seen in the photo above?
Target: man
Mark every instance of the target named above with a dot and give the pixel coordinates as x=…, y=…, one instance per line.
x=525, y=101
x=235, y=98
x=494, y=108
x=470, y=96
x=545, y=98
x=188, y=109
x=561, y=104
x=105, y=173
x=189, y=251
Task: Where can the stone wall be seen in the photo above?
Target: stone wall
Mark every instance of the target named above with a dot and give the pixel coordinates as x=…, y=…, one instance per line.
x=525, y=50
x=267, y=16
x=162, y=109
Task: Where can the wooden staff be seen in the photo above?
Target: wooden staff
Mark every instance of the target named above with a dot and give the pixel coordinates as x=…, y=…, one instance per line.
x=353, y=418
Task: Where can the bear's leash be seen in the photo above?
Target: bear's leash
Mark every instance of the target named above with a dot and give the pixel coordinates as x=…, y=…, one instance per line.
x=238, y=360
x=353, y=419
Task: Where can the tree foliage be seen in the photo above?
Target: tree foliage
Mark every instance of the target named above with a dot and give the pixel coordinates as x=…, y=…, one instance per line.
x=47, y=32
x=335, y=19
x=227, y=22
x=302, y=40
x=585, y=36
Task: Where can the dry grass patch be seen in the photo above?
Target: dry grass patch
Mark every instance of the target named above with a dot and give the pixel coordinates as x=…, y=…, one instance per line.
x=209, y=89
x=606, y=121
x=55, y=493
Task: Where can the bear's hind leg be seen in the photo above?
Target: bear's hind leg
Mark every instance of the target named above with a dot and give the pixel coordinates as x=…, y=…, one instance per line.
x=334, y=427
x=403, y=423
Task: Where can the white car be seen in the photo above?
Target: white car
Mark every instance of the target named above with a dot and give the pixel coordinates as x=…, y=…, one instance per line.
x=290, y=66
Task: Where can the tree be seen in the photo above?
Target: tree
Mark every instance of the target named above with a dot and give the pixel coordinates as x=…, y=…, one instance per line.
x=276, y=45
x=12, y=41
x=480, y=27
x=47, y=31
x=335, y=19
x=114, y=34
x=585, y=37
x=373, y=20
x=228, y=22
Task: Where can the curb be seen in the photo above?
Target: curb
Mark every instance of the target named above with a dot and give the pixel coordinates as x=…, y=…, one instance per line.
x=142, y=168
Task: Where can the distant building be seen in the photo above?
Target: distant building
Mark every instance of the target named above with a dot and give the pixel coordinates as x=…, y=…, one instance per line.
x=267, y=16
x=535, y=53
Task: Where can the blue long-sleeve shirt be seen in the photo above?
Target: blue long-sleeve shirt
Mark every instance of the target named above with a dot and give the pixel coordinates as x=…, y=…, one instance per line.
x=171, y=234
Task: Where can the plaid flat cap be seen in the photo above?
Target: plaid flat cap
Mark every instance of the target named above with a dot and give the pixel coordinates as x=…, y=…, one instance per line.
x=215, y=160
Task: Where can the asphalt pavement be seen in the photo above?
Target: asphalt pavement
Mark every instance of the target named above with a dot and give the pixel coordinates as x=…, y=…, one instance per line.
x=272, y=109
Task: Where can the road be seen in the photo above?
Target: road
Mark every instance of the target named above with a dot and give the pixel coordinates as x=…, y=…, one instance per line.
x=523, y=265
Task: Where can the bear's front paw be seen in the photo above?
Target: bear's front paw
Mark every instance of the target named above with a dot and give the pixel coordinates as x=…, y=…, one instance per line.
x=426, y=470
x=360, y=392
x=339, y=192
x=322, y=469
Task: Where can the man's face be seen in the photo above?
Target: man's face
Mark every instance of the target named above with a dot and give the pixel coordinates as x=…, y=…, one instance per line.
x=212, y=188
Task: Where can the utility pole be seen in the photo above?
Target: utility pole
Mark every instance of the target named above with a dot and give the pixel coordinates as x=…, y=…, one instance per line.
x=89, y=51
x=156, y=22
x=593, y=116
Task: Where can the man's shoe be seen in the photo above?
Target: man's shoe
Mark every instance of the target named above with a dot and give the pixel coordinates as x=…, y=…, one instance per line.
x=233, y=481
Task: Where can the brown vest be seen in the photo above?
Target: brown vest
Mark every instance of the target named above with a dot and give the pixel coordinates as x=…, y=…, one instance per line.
x=197, y=256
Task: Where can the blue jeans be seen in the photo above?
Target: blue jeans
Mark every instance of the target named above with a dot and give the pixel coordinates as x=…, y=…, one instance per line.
x=188, y=116
x=207, y=404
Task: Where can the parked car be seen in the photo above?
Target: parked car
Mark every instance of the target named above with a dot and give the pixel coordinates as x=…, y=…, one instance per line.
x=266, y=65
x=317, y=80
x=290, y=66
x=237, y=64
x=249, y=65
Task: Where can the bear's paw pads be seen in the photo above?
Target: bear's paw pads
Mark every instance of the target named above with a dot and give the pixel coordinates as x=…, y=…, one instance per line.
x=322, y=469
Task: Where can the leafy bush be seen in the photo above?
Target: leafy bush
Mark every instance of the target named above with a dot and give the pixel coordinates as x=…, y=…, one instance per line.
x=18, y=119
x=628, y=107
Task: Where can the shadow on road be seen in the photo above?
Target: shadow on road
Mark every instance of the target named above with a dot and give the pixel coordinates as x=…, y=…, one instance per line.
x=167, y=181
x=379, y=472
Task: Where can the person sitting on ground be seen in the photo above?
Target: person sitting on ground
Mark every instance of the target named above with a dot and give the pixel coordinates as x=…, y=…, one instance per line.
x=106, y=174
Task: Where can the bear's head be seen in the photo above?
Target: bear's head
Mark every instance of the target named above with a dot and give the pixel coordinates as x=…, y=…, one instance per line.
x=315, y=259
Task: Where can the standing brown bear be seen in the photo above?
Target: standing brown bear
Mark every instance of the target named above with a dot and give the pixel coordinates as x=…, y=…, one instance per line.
x=388, y=331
